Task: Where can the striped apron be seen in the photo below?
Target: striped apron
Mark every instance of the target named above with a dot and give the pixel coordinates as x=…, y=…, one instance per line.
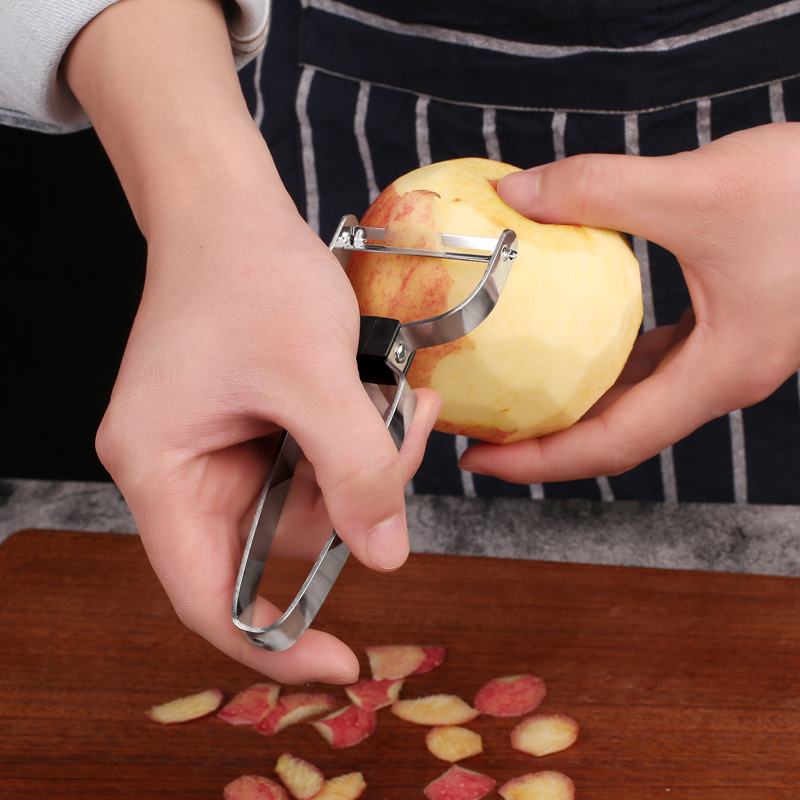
x=351, y=95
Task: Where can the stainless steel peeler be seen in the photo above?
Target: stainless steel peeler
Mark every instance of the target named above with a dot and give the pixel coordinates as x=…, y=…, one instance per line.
x=290, y=498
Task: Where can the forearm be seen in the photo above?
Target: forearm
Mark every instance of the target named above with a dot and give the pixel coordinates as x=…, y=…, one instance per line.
x=159, y=83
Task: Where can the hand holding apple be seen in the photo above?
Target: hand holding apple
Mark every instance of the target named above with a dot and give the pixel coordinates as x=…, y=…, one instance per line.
x=560, y=333
x=729, y=213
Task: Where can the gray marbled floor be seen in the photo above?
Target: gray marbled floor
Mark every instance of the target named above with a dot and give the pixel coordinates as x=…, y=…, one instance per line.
x=755, y=539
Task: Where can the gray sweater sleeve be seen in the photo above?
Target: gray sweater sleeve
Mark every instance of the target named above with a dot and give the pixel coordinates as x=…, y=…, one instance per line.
x=35, y=34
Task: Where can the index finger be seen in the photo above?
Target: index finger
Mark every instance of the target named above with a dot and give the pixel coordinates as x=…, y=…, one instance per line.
x=196, y=558
x=647, y=418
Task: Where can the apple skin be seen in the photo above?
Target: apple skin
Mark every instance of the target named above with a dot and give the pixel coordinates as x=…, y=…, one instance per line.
x=560, y=333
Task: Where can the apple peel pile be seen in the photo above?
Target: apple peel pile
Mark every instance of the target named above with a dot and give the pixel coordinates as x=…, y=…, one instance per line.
x=294, y=708
x=563, y=327
x=302, y=781
x=268, y=709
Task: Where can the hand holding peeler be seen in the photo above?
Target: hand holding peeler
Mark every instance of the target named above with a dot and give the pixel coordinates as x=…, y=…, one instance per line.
x=290, y=499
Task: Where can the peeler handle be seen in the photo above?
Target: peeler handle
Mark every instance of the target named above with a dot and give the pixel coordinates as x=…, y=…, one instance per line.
x=298, y=616
x=288, y=468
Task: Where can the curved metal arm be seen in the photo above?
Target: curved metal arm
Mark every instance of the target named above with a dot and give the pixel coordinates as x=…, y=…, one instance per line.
x=468, y=314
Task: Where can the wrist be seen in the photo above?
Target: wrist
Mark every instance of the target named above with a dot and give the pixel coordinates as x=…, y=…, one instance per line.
x=208, y=178
x=159, y=83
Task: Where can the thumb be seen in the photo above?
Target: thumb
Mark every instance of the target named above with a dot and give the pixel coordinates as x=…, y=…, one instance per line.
x=639, y=195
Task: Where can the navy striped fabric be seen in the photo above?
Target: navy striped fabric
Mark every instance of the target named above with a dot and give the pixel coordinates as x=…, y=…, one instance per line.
x=352, y=95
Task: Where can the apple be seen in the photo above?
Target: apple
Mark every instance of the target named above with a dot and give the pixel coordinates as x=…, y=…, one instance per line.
x=560, y=333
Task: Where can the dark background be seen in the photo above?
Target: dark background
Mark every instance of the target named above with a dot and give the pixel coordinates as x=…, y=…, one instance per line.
x=73, y=268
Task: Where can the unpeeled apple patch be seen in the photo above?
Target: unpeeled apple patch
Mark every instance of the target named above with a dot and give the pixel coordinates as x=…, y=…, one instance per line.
x=560, y=333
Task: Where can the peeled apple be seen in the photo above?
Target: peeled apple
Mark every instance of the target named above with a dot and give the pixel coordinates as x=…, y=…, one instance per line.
x=560, y=333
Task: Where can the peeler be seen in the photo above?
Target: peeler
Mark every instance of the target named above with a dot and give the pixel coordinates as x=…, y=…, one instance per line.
x=290, y=499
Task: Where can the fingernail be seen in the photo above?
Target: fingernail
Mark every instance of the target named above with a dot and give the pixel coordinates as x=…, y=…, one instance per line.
x=520, y=189
x=468, y=465
x=387, y=543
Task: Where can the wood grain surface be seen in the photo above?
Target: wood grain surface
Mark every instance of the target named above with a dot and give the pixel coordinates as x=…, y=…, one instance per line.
x=686, y=685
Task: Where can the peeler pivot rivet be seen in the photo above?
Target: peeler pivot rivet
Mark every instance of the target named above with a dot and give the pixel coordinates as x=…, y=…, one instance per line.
x=400, y=353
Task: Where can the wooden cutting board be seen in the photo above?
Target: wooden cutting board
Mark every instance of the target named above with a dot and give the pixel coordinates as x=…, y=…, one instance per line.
x=686, y=684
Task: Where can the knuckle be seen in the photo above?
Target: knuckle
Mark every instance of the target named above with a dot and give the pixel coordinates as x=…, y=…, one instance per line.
x=621, y=463
x=623, y=455
x=108, y=442
x=188, y=614
x=371, y=473
x=593, y=187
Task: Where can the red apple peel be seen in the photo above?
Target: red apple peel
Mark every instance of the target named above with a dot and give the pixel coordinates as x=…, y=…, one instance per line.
x=347, y=727
x=251, y=704
x=510, y=696
x=460, y=784
x=294, y=708
x=254, y=787
x=374, y=694
x=395, y=661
